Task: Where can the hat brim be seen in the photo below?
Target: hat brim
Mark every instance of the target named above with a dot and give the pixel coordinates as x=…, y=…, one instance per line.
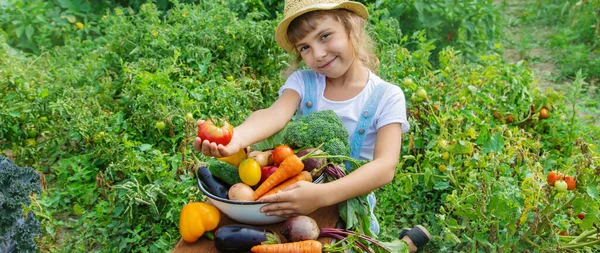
x=281, y=32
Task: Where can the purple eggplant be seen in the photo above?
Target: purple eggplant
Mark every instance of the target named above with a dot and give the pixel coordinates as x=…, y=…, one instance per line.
x=214, y=185
x=241, y=238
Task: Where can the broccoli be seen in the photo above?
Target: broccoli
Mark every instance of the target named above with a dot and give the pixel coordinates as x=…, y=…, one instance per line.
x=309, y=131
x=17, y=230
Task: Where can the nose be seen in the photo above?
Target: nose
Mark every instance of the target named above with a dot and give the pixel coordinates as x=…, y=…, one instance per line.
x=319, y=52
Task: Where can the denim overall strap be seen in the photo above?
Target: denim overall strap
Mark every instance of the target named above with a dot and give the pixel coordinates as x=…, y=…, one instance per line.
x=365, y=120
x=309, y=99
x=358, y=138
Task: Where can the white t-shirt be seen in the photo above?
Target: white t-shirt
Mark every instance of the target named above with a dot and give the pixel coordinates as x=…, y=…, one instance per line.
x=391, y=108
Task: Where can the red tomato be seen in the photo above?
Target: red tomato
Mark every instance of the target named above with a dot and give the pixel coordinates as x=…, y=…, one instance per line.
x=553, y=176
x=571, y=184
x=581, y=216
x=266, y=171
x=217, y=134
x=281, y=152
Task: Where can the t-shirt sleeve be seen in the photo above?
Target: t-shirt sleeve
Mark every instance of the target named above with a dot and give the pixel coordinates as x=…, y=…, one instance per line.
x=393, y=109
x=294, y=82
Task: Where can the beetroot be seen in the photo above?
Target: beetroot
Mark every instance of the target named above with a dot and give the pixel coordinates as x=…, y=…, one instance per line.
x=312, y=163
x=300, y=228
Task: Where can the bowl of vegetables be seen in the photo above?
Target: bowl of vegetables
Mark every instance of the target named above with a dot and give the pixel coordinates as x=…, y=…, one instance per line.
x=235, y=188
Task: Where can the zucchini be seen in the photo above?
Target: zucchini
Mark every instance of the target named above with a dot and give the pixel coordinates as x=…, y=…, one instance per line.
x=224, y=171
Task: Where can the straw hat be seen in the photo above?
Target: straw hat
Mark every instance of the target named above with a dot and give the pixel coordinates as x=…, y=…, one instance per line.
x=295, y=8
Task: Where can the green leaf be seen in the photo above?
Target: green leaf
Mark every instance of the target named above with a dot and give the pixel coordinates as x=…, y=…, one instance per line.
x=461, y=147
x=29, y=31
x=145, y=147
x=592, y=190
x=72, y=19
x=441, y=185
x=494, y=144
x=397, y=246
x=77, y=210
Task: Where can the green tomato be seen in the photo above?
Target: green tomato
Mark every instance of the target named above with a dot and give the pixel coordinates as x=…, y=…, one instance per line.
x=442, y=168
x=31, y=143
x=230, y=78
x=160, y=125
x=44, y=119
x=408, y=81
x=421, y=93
x=561, y=186
x=446, y=156
x=189, y=116
x=220, y=48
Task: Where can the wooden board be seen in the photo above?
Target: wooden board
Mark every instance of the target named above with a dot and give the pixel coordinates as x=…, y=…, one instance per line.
x=325, y=217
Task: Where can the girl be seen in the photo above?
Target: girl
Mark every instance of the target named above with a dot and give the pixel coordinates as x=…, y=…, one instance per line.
x=330, y=37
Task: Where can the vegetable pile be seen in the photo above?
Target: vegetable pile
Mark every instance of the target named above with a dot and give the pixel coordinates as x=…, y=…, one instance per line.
x=308, y=147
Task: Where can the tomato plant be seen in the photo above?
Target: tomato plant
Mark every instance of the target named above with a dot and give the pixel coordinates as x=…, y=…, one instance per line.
x=281, y=152
x=217, y=134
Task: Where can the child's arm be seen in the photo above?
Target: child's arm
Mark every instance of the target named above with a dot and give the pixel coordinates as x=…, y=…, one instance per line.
x=260, y=125
x=305, y=197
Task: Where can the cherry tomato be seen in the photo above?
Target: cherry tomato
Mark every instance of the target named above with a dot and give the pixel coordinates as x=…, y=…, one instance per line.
x=421, y=93
x=581, y=216
x=189, y=117
x=544, y=114
x=442, y=168
x=561, y=186
x=249, y=172
x=571, y=183
x=160, y=125
x=553, y=176
x=217, y=134
x=281, y=152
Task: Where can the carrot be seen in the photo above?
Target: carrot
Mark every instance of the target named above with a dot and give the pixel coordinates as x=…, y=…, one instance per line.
x=303, y=176
x=291, y=166
x=308, y=246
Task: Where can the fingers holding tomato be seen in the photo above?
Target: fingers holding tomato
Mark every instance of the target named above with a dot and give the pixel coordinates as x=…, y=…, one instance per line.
x=216, y=139
x=217, y=133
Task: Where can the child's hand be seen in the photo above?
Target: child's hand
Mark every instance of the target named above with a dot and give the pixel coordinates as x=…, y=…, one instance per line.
x=301, y=198
x=214, y=149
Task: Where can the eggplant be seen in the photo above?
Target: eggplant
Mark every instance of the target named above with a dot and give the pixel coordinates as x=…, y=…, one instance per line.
x=241, y=238
x=214, y=185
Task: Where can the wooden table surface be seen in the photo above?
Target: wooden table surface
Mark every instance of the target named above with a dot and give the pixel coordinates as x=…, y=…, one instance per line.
x=325, y=217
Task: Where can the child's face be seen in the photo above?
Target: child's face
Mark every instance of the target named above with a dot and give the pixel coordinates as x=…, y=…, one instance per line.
x=327, y=49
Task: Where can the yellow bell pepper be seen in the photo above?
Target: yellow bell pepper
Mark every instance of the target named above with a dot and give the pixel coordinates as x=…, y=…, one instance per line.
x=196, y=218
x=234, y=159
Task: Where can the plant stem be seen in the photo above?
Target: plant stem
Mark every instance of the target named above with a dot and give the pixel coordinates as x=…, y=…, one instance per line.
x=581, y=245
x=582, y=235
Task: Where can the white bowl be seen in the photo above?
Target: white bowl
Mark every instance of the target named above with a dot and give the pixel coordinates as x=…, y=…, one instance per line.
x=247, y=212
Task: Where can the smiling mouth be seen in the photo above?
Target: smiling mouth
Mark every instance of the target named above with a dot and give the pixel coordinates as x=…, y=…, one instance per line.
x=328, y=63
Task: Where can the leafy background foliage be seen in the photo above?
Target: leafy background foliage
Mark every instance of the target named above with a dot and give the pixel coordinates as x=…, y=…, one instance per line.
x=81, y=98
